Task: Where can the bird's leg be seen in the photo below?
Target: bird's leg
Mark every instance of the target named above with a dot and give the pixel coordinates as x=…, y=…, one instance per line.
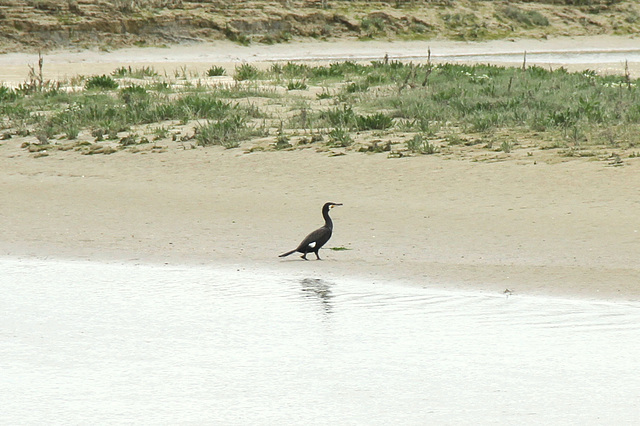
x=317, y=255
x=304, y=256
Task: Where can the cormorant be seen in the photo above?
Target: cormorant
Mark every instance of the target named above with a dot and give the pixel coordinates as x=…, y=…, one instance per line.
x=315, y=240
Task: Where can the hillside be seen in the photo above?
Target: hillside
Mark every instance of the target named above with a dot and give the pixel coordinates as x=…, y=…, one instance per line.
x=41, y=25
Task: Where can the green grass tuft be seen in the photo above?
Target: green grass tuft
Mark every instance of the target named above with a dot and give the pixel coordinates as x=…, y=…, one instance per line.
x=246, y=72
x=101, y=82
x=216, y=71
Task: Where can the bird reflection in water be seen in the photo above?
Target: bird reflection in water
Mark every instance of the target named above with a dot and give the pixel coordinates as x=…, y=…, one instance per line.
x=317, y=289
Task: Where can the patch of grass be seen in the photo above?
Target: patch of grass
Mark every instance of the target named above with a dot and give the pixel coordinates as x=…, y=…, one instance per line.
x=325, y=94
x=377, y=121
x=292, y=70
x=457, y=20
x=506, y=147
x=372, y=26
x=216, y=71
x=526, y=17
x=339, y=138
x=453, y=103
x=237, y=36
x=7, y=94
x=340, y=117
x=246, y=72
x=454, y=139
x=483, y=98
x=227, y=132
x=72, y=130
x=133, y=92
x=183, y=73
x=282, y=141
x=297, y=85
x=421, y=145
x=138, y=73
x=160, y=132
x=278, y=37
x=356, y=86
x=204, y=106
x=101, y=82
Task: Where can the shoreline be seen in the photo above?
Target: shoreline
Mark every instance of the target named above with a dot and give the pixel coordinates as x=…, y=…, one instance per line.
x=461, y=225
x=519, y=223
x=341, y=276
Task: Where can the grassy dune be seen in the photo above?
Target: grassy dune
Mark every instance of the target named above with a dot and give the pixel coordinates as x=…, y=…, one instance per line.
x=399, y=109
x=38, y=25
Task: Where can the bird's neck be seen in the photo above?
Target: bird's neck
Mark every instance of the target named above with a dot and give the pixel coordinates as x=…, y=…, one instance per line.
x=327, y=220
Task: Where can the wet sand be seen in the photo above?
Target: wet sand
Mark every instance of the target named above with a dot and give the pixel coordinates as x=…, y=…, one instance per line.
x=567, y=228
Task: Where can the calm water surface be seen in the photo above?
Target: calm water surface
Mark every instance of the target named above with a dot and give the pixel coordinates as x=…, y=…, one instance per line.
x=88, y=342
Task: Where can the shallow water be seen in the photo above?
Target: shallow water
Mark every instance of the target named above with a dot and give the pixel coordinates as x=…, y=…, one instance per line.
x=112, y=343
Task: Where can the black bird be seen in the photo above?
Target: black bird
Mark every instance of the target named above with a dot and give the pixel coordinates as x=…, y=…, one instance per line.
x=315, y=240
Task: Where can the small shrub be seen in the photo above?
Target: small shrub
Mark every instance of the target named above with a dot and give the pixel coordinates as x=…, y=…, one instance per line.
x=506, y=147
x=355, y=87
x=376, y=79
x=72, y=131
x=128, y=94
x=282, y=142
x=297, y=85
x=101, y=82
x=7, y=94
x=378, y=121
x=203, y=106
x=216, y=71
x=225, y=132
x=129, y=140
x=339, y=137
x=292, y=70
x=421, y=145
x=453, y=139
x=237, y=37
x=246, y=72
x=457, y=20
x=121, y=72
x=372, y=25
x=160, y=132
x=526, y=17
x=340, y=117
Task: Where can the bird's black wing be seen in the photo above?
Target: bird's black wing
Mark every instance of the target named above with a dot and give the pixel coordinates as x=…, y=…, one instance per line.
x=316, y=239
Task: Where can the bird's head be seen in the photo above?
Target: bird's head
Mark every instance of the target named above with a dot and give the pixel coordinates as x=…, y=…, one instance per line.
x=332, y=205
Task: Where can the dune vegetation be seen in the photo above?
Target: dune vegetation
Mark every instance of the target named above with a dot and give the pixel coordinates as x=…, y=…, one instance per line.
x=400, y=109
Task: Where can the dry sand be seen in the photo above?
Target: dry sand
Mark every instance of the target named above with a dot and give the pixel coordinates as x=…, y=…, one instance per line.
x=569, y=228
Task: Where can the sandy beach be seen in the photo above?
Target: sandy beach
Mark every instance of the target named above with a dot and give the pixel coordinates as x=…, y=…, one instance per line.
x=566, y=228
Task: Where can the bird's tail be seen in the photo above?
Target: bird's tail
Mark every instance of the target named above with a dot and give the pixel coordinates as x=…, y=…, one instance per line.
x=287, y=253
